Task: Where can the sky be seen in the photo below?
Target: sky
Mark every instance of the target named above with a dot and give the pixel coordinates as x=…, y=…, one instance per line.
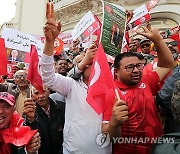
x=7, y=10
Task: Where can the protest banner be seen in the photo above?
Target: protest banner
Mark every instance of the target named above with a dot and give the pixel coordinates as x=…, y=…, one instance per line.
x=15, y=39
x=140, y=15
x=114, y=23
x=83, y=25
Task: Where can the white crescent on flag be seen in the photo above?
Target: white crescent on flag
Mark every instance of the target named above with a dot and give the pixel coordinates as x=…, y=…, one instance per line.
x=96, y=74
x=9, y=69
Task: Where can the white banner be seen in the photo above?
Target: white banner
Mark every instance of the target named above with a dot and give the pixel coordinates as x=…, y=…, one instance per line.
x=82, y=25
x=20, y=41
x=139, y=12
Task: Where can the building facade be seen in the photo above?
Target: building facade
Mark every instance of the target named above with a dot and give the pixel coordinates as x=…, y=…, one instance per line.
x=30, y=14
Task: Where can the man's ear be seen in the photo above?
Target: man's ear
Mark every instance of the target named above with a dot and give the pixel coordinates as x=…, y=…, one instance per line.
x=116, y=71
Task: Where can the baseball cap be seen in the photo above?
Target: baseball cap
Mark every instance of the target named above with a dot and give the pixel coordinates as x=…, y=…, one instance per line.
x=10, y=99
x=144, y=40
x=20, y=65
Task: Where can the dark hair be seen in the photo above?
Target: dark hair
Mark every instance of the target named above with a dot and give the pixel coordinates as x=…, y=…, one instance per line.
x=140, y=56
x=123, y=55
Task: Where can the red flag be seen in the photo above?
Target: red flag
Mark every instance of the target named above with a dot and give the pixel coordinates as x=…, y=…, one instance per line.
x=16, y=133
x=100, y=81
x=58, y=46
x=3, y=58
x=33, y=74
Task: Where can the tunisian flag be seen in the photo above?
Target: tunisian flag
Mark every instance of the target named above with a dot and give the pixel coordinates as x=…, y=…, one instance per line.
x=3, y=58
x=33, y=73
x=100, y=81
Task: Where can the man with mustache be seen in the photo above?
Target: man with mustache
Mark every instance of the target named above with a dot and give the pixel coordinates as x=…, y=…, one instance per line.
x=42, y=113
x=137, y=91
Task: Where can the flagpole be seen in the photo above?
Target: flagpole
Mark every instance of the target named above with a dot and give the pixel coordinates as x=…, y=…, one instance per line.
x=117, y=95
x=30, y=90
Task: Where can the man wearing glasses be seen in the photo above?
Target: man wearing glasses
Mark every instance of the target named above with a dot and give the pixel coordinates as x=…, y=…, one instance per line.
x=136, y=90
x=145, y=46
x=20, y=78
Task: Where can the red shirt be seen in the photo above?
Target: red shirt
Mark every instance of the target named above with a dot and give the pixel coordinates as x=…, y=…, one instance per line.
x=143, y=116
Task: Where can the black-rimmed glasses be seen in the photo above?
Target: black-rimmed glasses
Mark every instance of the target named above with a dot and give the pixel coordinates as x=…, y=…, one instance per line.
x=131, y=67
x=19, y=76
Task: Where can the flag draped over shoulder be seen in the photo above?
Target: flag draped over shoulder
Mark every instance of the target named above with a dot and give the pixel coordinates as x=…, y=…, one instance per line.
x=3, y=58
x=33, y=73
x=100, y=81
x=16, y=134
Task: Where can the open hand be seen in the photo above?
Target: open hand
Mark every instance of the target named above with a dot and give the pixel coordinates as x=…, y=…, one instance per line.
x=151, y=33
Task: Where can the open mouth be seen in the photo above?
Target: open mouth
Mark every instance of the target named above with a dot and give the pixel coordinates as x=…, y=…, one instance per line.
x=2, y=119
x=136, y=77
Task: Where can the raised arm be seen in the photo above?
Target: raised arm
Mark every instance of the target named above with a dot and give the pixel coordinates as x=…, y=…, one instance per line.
x=54, y=81
x=165, y=58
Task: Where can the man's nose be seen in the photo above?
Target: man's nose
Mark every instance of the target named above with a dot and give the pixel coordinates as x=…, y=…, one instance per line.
x=135, y=69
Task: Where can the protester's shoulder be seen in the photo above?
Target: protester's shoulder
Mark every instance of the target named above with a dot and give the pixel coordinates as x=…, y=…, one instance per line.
x=170, y=144
x=176, y=70
x=175, y=100
x=59, y=105
x=150, y=75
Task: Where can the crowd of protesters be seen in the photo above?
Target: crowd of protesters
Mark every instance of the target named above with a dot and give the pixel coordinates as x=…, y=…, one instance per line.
x=60, y=120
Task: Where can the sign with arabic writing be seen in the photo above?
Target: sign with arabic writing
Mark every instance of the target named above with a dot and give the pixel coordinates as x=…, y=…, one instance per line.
x=140, y=16
x=15, y=39
x=83, y=24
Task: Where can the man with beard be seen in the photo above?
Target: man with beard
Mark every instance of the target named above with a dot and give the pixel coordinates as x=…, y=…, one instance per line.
x=136, y=90
x=164, y=96
x=42, y=113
